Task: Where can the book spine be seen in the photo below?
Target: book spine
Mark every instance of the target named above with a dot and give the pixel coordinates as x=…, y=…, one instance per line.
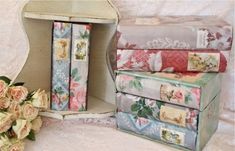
x=172, y=60
x=60, y=66
x=79, y=66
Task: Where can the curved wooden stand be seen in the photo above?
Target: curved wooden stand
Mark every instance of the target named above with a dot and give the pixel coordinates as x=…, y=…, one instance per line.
x=38, y=16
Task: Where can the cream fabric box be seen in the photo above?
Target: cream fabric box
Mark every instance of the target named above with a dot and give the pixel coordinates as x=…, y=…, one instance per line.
x=166, y=32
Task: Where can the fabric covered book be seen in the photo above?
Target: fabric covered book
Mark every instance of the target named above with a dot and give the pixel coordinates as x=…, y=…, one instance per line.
x=60, y=66
x=79, y=66
x=193, y=90
x=158, y=110
x=174, y=32
x=177, y=60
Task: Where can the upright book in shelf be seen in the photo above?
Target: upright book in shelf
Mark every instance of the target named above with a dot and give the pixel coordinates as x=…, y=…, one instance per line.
x=70, y=66
x=60, y=65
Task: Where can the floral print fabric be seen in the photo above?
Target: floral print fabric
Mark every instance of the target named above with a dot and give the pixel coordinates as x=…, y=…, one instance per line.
x=157, y=130
x=70, y=66
x=79, y=67
x=172, y=60
x=60, y=66
x=193, y=90
x=166, y=33
x=157, y=110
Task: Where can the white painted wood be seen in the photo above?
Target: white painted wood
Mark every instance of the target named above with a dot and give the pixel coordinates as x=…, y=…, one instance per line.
x=96, y=109
x=38, y=16
x=95, y=11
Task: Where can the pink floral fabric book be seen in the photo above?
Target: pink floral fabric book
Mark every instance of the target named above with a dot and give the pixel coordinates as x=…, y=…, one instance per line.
x=79, y=66
x=168, y=60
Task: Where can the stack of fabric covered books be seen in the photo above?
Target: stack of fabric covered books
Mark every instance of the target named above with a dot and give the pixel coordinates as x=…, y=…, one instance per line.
x=180, y=108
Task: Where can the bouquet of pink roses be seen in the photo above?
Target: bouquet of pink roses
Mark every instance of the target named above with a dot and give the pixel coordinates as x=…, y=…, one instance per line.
x=19, y=114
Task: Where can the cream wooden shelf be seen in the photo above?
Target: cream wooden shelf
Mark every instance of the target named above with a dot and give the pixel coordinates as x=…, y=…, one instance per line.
x=96, y=109
x=37, y=19
x=90, y=11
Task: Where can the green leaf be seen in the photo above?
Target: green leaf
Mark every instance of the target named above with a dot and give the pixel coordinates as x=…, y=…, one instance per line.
x=77, y=79
x=85, y=35
x=5, y=79
x=82, y=109
x=147, y=111
x=135, y=107
x=142, y=101
x=3, y=110
x=158, y=115
x=74, y=72
x=187, y=99
x=18, y=84
x=159, y=104
x=31, y=136
x=142, y=113
x=59, y=90
x=137, y=84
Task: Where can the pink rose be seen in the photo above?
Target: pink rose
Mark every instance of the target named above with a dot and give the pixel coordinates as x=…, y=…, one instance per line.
x=22, y=128
x=18, y=93
x=4, y=103
x=29, y=112
x=15, y=110
x=197, y=93
x=79, y=100
x=126, y=77
x=178, y=95
x=142, y=121
x=3, y=88
x=150, y=103
x=55, y=98
x=73, y=85
x=5, y=121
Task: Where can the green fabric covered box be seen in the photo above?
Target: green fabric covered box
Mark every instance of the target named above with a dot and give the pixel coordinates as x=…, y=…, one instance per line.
x=193, y=90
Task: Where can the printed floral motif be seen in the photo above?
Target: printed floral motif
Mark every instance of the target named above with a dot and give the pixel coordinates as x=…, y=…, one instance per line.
x=191, y=118
x=59, y=96
x=143, y=110
x=133, y=82
x=166, y=43
x=77, y=92
x=60, y=62
x=61, y=48
x=81, y=45
x=61, y=29
x=203, y=62
x=157, y=130
x=170, y=60
x=221, y=39
x=157, y=110
x=172, y=136
x=79, y=67
x=141, y=122
x=174, y=94
x=164, y=33
x=138, y=84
